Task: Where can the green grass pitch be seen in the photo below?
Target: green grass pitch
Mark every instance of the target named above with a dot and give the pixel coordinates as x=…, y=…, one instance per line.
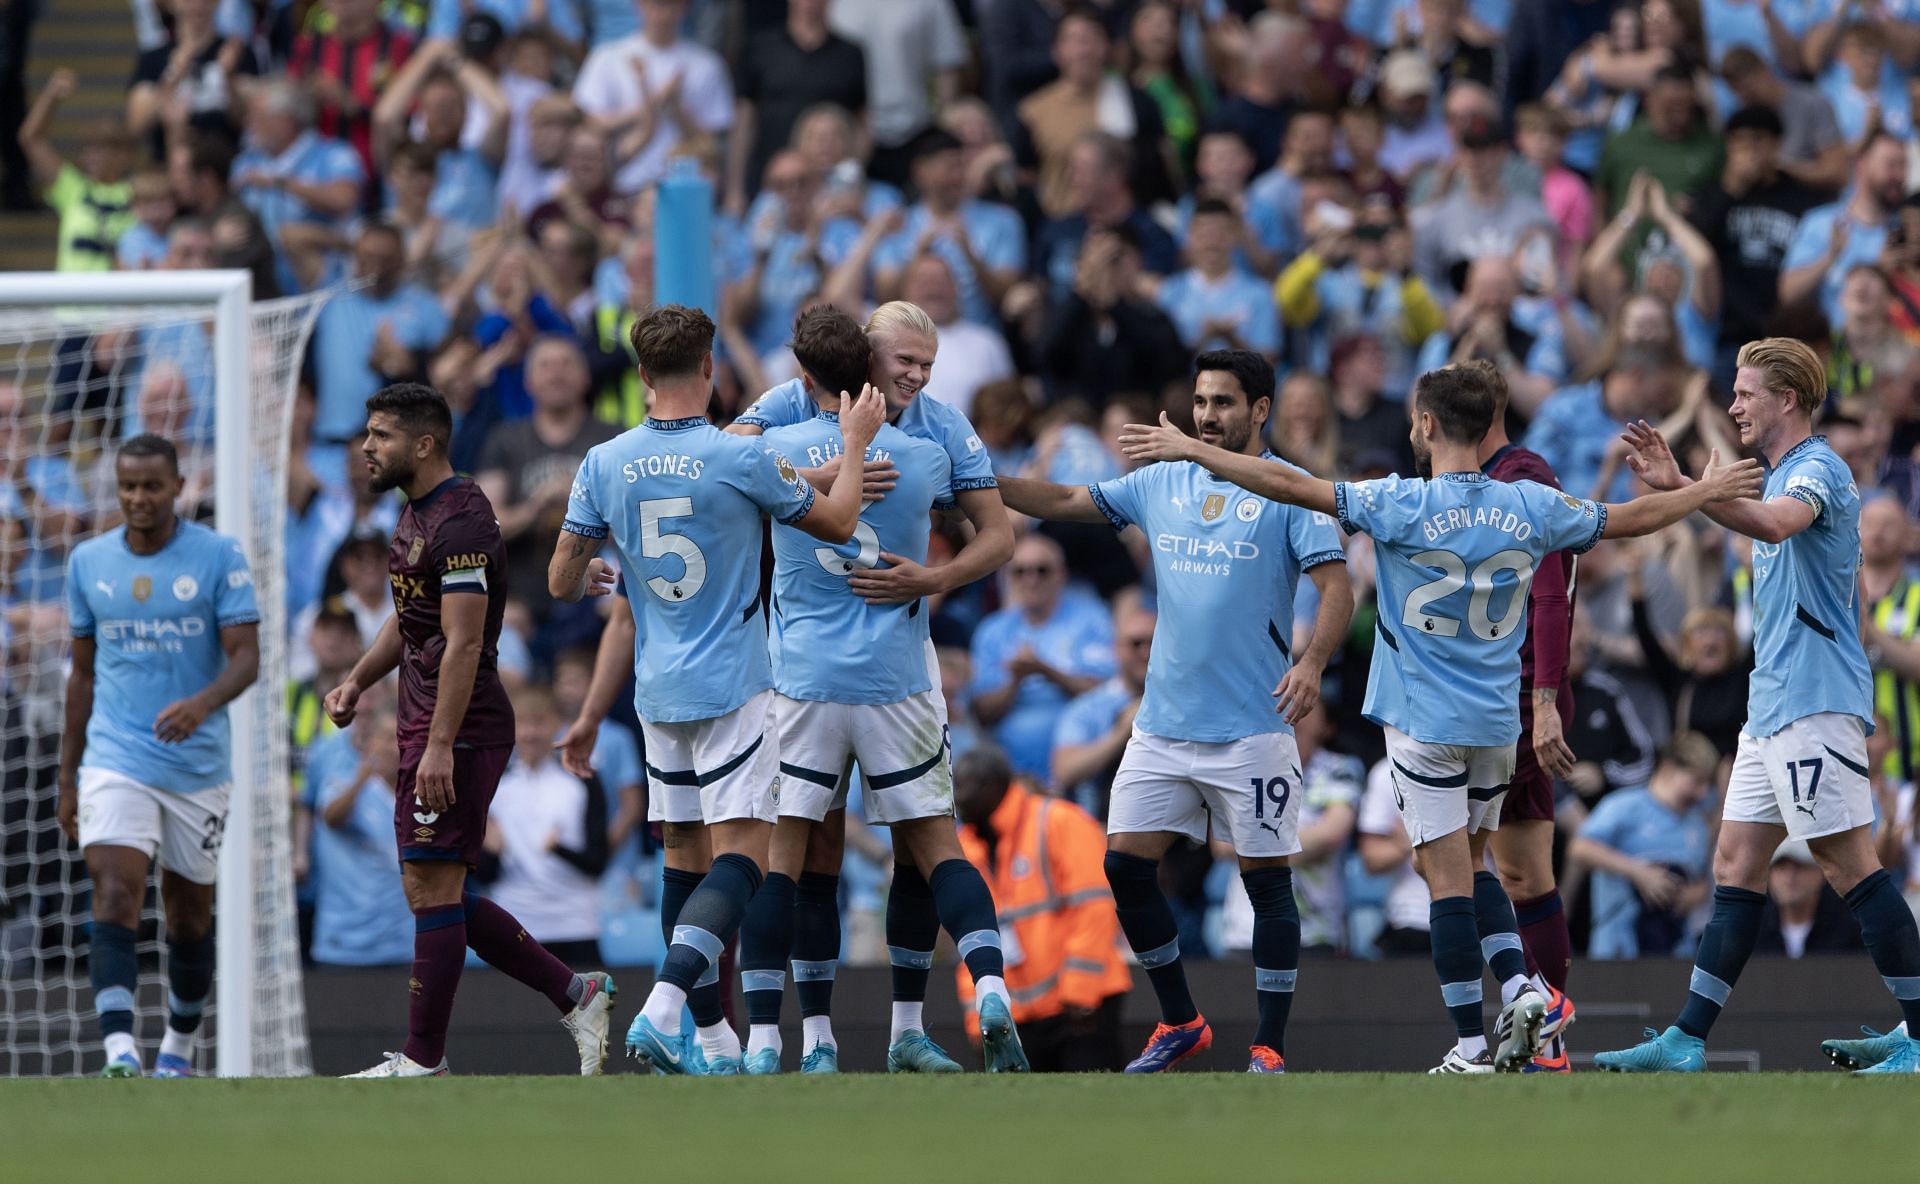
x=978, y=1129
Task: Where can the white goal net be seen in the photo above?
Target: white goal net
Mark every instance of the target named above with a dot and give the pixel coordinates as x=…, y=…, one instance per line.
x=86, y=361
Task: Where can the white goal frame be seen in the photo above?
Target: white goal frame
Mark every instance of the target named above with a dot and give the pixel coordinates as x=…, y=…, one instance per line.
x=230, y=295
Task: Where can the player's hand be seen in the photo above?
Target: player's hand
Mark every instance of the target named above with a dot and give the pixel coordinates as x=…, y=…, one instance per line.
x=433, y=780
x=1298, y=692
x=341, y=703
x=1731, y=482
x=860, y=418
x=1145, y=442
x=877, y=478
x=178, y=721
x=575, y=747
x=1650, y=459
x=601, y=577
x=1549, y=743
x=902, y=581
x=69, y=810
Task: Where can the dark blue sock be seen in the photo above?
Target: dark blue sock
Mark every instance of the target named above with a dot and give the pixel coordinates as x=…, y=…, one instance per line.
x=116, y=973
x=816, y=941
x=1276, y=951
x=1147, y=920
x=707, y=923
x=965, y=906
x=676, y=886
x=189, y=979
x=1456, y=956
x=1892, y=937
x=913, y=928
x=1724, y=949
x=766, y=941
x=1499, y=931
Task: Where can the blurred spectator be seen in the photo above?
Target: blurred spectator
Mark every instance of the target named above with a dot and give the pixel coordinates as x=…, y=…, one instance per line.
x=1106, y=336
x=1525, y=336
x=462, y=116
x=784, y=71
x=1273, y=76
x=1458, y=48
x=91, y=195
x=1385, y=850
x=143, y=244
x=1215, y=304
x=1306, y=153
x=908, y=43
x=616, y=751
x=1673, y=262
x=1089, y=97
x=547, y=837
x=345, y=69
x=1305, y=430
x=985, y=155
x=1890, y=592
x=435, y=247
x=1830, y=239
x=335, y=642
x=1366, y=421
x=1157, y=69
x=527, y=466
x=1611, y=746
x=964, y=734
x=531, y=173
x=1043, y=860
x=1809, y=146
x=1415, y=135
x=620, y=398
x=1867, y=90
x=1706, y=679
x=1363, y=132
x=1331, y=784
x=361, y=563
x=651, y=90
x=1357, y=280
x=1016, y=52
x=982, y=243
x=1102, y=199
x=296, y=181
x=525, y=309
x=1030, y=658
x=193, y=78
x=1092, y=732
x=372, y=335
x=1650, y=850
x=794, y=248
x=1479, y=218
x=1470, y=110
x=43, y=509
x=976, y=353
x=1672, y=144
x=360, y=909
x=1575, y=428
x=1803, y=915
x=1541, y=133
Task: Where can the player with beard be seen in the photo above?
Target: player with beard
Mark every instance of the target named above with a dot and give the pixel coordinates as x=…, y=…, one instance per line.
x=455, y=733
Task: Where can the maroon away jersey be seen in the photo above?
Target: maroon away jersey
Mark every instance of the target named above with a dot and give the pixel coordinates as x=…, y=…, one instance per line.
x=448, y=544
x=1550, y=601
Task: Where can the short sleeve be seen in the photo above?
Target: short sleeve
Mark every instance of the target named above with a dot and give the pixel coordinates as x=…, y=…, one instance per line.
x=583, y=509
x=1608, y=820
x=771, y=482
x=233, y=600
x=1373, y=507
x=1313, y=538
x=1566, y=522
x=462, y=551
x=972, y=467
x=1120, y=498
x=79, y=612
x=1809, y=481
x=783, y=406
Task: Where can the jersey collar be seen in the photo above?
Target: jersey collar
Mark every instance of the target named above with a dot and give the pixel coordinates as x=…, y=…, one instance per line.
x=421, y=502
x=1795, y=450
x=829, y=416
x=677, y=425
x=1464, y=478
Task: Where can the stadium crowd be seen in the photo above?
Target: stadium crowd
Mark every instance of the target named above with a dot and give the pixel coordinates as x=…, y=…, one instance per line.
x=1603, y=199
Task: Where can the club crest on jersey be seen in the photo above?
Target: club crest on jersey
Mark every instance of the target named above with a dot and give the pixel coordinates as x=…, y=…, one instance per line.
x=413, y=551
x=142, y=588
x=1247, y=510
x=1212, y=507
x=186, y=588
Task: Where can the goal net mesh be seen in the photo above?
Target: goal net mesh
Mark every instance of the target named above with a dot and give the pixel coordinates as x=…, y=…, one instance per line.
x=73, y=381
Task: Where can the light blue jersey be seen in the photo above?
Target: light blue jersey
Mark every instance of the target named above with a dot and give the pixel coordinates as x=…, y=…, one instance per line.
x=681, y=501
x=1806, y=606
x=828, y=644
x=1225, y=563
x=1455, y=557
x=1634, y=822
x=155, y=621
x=930, y=419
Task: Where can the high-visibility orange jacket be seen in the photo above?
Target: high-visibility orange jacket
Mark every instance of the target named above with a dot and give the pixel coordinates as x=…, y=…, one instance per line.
x=1057, y=925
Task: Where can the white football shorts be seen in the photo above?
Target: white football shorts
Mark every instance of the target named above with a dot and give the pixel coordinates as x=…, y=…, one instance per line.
x=181, y=829
x=1810, y=777
x=1249, y=789
x=1443, y=787
x=901, y=748
x=715, y=770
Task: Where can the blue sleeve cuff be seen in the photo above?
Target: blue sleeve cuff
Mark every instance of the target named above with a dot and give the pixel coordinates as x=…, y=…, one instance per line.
x=1101, y=503
x=964, y=484
x=239, y=619
x=1340, y=508
x=1810, y=497
x=806, y=504
x=755, y=421
x=583, y=530
x=1599, y=529
x=1319, y=557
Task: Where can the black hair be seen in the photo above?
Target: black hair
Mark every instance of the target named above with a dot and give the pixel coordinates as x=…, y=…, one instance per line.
x=419, y=409
x=832, y=347
x=1252, y=371
x=1460, y=399
x=1756, y=118
x=151, y=445
x=1211, y=205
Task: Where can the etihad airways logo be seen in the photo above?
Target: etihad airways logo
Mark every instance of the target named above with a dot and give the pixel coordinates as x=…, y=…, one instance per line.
x=159, y=629
x=1188, y=546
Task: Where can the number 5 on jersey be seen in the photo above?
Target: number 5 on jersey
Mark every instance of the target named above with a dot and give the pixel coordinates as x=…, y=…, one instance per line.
x=658, y=544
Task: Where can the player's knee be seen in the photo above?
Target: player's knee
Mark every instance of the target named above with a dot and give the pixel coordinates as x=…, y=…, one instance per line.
x=1737, y=866
x=116, y=900
x=1130, y=875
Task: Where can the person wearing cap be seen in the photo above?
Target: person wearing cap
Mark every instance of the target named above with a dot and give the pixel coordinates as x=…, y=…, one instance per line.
x=1416, y=133
x=357, y=585
x=1803, y=915
x=452, y=20
x=983, y=243
x=92, y=194
x=1649, y=849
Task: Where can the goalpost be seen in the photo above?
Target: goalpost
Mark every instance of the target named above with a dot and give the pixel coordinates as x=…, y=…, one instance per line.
x=189, y=354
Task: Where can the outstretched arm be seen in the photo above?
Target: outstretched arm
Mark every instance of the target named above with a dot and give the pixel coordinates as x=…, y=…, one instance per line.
x=1280, y=483
x=1656, y=511
x=1049, y=501
x=1773, y=521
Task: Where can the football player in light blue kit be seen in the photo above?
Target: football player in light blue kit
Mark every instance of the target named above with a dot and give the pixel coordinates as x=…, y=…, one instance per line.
x=1801, y=768
x=904, y=342
x=1209, y=745
x=165, y=635
x=682, y=501
x=1455, y=557
x=853, y=681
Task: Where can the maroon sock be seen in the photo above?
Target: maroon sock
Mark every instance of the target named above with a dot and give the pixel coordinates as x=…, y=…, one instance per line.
x=1543, y=931
x=498, y=938
x=439, y=954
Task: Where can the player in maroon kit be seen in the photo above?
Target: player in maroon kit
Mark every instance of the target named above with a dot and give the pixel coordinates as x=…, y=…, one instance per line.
x=447, y=567
x=1523, y=846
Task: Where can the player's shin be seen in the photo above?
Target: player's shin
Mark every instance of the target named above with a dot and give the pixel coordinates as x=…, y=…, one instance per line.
x=1499, y=935
x=707, y=922
x=115, y=973
x=965, y=906
x=1276, y=951
x=1147, y=920
x=1543, y=931
x=504, y=945
x=913, y=928
x=1887, y=926
x=1725, y=947
x=189, y=981
x=816, y=955
x=439, y=955
x=766, y=942
x=1457, y=959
